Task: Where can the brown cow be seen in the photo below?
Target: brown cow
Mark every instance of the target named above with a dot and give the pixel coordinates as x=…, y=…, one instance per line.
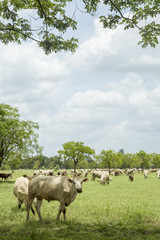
x=5, y=175
x=60, y=188
x=131, y=178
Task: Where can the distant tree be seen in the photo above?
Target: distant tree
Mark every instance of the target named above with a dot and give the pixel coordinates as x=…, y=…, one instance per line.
x=83, y=164
x=91, y=162
x=119, y=160
x=55, y=161
x=121, y=151
x=75, y=152
x=155, y=160
x=107, y=159
x=46, y=21
x=127, y=160
x=145, y=159
x=18, y=139
x=56, y=168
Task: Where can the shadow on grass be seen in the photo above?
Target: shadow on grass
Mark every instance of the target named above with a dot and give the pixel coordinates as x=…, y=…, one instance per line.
x=50, y=230
x=16, y=209
x=6, y=182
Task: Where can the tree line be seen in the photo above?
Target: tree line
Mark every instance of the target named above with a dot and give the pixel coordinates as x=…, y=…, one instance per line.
x=19, y=148
x=106, y=159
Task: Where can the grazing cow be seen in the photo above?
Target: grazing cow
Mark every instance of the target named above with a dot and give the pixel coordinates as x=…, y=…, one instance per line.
x=129, y=171
x=98, y=174
x=158, y=174
x=85, y=172
x=131, y=178
x=118, y=172
x=95, y=174
x=153, y=170
x=5, y=175
x=63, y=172
x=43, y=172
x=36, y=173
x=20, y=190
x=145, y=173
x=29, y=177
x=60, y=188
x=74, y=174
x=105, y=178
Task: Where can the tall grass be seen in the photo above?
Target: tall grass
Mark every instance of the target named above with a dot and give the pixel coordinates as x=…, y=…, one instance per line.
x=120, y=210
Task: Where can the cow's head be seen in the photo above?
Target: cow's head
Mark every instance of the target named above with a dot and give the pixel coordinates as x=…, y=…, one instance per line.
x=78, y=183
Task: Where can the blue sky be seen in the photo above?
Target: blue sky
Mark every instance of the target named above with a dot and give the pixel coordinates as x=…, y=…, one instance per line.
x=107, y=94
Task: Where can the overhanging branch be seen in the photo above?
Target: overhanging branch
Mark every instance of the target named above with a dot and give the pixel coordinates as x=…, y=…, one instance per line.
x=20, y=32
x=129, y=19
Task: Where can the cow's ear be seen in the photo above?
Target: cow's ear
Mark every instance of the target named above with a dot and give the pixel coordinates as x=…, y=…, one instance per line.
x=85, y=179
x=70, y=180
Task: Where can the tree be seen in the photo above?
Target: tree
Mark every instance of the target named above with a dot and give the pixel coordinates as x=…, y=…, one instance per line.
x=120, y=159
x=18, y=139
x=75, y=152
x=144, y=159
x=83, y=164
x=55, y=161
x=131, y=161
x=42, y=21
x=46, y=21
x=121, y=151
x=155, y=160
x=107, y=158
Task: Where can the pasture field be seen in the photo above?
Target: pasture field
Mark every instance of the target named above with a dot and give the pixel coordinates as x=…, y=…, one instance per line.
x=122, y=210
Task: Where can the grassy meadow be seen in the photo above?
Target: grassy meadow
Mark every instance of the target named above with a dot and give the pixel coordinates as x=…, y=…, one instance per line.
x=120, y=210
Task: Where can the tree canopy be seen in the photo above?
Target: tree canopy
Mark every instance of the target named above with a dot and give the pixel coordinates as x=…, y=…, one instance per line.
x=107, y=159
x=18, y=138
x=46, y=21
x=144, y=159
x=75, y=152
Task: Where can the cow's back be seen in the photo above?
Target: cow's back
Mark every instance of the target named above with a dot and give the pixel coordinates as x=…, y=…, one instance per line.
x=49, y=187
x=21, y=185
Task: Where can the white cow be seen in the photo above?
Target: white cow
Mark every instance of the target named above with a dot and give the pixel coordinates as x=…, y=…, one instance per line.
x=100, y=174
x=60, y=188
x=105, y=178
x=145, y=173
x=158, y=174
x=20, y=190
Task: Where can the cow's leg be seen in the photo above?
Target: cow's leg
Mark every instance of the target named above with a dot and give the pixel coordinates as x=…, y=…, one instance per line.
x=38, y=206
x=25, y=201
x=61, y=208
x=32, y=210
x=29, y=205
x=19, y=200
x=19, y=203
x=64, y=214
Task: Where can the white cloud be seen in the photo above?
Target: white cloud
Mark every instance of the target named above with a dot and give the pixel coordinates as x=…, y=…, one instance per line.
x=30, y=78
x=107, y=94
x=117, y=118
x=95, y=99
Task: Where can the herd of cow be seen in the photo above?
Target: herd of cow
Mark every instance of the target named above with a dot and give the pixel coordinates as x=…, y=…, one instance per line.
x=44, y=184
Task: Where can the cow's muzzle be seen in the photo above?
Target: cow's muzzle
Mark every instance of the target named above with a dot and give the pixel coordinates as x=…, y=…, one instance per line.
x=79, y=190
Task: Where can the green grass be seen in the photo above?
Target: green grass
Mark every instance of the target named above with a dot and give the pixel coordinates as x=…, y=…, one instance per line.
x=121, y=210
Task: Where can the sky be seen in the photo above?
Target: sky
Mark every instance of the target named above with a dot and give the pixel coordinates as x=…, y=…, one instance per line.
x=106, y=94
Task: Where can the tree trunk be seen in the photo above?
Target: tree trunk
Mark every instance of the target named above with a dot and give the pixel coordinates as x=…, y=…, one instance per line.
x=109, y=167
x=75, y=165
x=1, y=160
x=142, y=167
